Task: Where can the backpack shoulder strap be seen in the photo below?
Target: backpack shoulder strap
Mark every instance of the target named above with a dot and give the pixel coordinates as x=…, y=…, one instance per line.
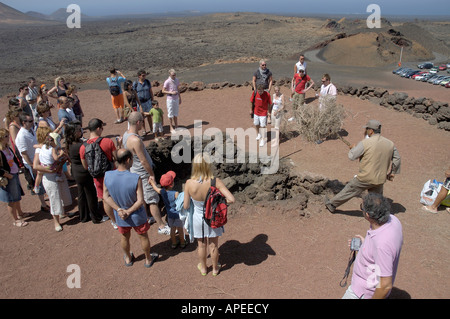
x=213, y=182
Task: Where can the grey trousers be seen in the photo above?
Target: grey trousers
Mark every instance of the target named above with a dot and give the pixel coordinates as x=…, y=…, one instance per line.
x=354, y=188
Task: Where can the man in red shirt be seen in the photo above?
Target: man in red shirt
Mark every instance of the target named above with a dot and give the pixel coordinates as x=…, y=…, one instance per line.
x=261, y=100
x=300, y=80
x=95, y=127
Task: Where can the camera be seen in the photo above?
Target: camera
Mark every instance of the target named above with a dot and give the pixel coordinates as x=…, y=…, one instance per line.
x=355, y=244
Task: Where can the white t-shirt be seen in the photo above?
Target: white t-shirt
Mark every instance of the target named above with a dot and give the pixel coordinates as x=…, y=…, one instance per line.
x=24, y=142
x=45, y=156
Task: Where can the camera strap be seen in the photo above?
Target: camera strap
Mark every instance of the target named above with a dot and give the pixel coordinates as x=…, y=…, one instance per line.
x=351, y=259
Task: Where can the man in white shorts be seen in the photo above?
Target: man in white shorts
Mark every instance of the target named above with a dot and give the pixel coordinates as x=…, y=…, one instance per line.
x=170, y=88
x=261, y=100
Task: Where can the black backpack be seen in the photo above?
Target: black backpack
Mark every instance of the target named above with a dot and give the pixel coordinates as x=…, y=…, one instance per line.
x=96, y=159
x=114, y=88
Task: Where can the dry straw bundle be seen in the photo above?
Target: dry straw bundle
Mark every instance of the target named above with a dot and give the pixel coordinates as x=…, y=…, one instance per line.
x=313, y=123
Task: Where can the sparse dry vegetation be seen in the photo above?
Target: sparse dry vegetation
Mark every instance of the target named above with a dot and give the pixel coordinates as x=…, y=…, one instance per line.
x=314, y=124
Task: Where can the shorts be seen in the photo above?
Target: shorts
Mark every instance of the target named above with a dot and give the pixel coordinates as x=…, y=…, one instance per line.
x=141, y=229
x=117, y=101
x=172, y=108
x=150, y=195
x=260, y=120
x=157, y=127
x=446, y=184
x=146, y=106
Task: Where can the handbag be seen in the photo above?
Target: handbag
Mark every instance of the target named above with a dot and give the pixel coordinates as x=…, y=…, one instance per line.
x=3, y=181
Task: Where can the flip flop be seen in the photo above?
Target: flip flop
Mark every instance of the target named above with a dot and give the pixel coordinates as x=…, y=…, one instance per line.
x=20, y=223
x=131, y=260
x=199, y=267
x=428, y=209
x=155, y=256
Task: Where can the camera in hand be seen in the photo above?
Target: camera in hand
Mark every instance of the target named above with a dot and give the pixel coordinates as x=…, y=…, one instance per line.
x=355, y=244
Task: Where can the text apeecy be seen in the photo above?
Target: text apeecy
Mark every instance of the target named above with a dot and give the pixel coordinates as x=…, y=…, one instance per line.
x=240, y=308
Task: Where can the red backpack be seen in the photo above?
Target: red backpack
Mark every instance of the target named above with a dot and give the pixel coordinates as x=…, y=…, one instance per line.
x=215, y=213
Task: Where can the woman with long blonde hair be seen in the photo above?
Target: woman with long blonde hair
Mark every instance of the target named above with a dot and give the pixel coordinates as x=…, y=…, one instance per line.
x=196, y=188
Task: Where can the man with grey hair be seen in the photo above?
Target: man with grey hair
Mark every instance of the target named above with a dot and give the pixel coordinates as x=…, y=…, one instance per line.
x=376, y=262
x=263, y=76
x=143, y=166
x=379, y=160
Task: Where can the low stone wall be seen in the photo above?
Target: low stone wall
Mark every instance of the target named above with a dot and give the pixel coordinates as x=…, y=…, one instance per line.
x=435, y=112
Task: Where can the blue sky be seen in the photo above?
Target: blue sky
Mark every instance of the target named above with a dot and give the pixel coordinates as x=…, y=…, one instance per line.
x=109, y=7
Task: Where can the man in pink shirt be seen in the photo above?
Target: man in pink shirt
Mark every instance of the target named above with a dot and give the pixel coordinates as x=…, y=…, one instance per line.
x=377, y=260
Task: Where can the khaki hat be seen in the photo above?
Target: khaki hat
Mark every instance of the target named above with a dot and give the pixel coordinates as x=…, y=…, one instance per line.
x=373, y=124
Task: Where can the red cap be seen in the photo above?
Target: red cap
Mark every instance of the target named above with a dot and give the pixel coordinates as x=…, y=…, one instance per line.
x=167, y=179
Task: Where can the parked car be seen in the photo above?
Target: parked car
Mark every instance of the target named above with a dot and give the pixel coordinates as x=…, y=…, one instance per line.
x=447, y=85
x=425, y=65
x=427, y=77
x=418, y=74
x=434, y=69
x=431, y=79
x=439, y=81
x=442, y=67
x=444, y=82
x=419, y=77
x=403, y=72
x=410, y=73
x=397, y=70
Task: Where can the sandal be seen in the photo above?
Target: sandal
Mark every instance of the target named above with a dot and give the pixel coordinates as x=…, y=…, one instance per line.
x=131, y=260
x=20, y=223
x=155, y=256
x=428, y=209
x=199, y=267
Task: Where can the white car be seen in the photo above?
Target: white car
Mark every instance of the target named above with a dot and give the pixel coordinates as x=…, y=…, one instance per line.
x=420, y=77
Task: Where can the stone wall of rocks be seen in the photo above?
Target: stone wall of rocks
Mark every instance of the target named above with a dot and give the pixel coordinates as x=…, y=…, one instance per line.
x=245, y=180
x=435, y=112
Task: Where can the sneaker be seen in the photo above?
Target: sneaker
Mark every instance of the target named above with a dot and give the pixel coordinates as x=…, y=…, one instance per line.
x=291, y=119
x=36, y=189
x=262, y=142
x=164, y=231
x=151, y=220
x=258, y=137
x=114, y=225
x=328, y=205
x=104, y=219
